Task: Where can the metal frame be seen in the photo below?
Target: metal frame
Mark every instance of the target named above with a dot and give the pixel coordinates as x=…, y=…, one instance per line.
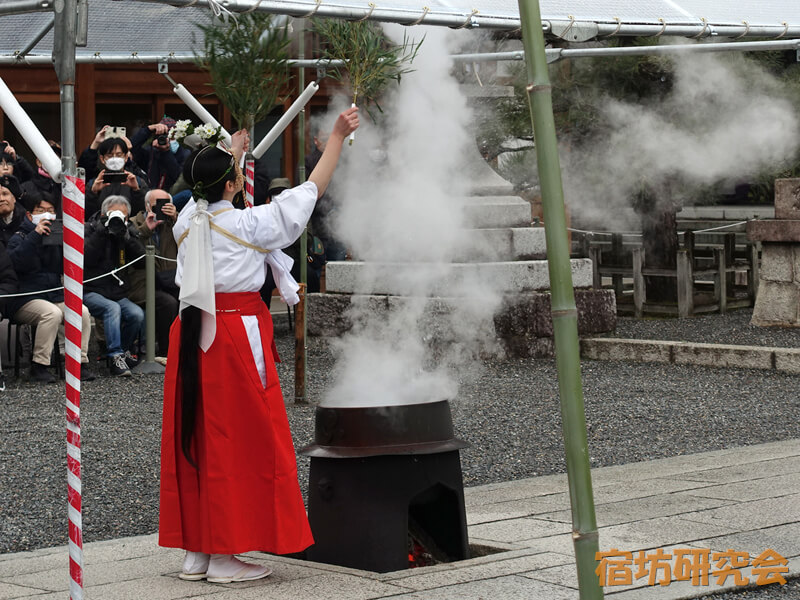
x=553, y=54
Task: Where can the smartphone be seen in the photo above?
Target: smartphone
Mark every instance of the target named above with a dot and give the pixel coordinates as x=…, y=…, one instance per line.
x=160, y=216
x=115, y=132
x=114, y=177
x=56, y=237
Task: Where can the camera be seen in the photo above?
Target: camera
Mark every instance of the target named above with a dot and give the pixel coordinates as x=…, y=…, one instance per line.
x=115, y=132
x=115, y=177
x=157, y=209
x=116, y=224
x=56, y=237
x=162, y=139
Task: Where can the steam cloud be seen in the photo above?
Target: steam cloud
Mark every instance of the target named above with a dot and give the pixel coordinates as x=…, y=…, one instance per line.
x=723, y=122
x=401, y=188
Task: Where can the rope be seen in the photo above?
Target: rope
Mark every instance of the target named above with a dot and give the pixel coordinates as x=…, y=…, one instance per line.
x=252, y=8
x=746, y=30
x=366, y=16
x=663, y=28
x=313, y=12
x=616, y=31
x=640, y=235
x=785, y=29
x=113, y=273
x=468, y=21
x=425, y=11
x=702, y=31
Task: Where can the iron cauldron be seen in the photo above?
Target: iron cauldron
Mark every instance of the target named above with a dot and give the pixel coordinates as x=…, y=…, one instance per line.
x=384, y=482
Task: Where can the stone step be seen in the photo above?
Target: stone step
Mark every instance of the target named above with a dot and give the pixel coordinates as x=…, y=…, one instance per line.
x=510, y=243
x=451, y=279
x=492, y=212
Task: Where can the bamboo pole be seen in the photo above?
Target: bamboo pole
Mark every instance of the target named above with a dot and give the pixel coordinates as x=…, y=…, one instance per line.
x=565, y=315
x=301, y=362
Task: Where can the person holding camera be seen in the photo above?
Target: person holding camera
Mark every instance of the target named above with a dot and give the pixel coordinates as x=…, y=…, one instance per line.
x=38, y=258
x=41, y=186
x=12, y=163
x=111, y=242
x=155, y=227
x=12, y=212
x=118, y=176
x=159, y=157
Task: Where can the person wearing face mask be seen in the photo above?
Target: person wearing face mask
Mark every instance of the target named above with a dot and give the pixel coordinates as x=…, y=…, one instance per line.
x=39, y=267
x=111, y=242
x=159, y=157
x=41, y=186
x=128, y=179
x=12, y=212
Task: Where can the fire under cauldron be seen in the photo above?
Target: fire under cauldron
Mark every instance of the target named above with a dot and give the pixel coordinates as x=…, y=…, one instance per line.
x=385, y=490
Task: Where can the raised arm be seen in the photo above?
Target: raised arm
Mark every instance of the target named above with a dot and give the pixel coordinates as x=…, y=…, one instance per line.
x=346, y=124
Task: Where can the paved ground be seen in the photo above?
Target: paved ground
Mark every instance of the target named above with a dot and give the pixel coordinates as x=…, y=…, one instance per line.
x=735, y=484
x=745, y=499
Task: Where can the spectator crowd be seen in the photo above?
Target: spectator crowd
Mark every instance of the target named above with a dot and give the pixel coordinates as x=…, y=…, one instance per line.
x=134, y=192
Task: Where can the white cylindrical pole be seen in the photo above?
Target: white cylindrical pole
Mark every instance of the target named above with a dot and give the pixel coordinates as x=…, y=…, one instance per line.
x=199, y=110
x=284, y=121
x=32, y=136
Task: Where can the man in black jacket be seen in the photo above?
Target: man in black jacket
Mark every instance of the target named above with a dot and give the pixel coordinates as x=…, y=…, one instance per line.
x=110, y=243
x=12, y=213
x=130, y=181
x=40, y=264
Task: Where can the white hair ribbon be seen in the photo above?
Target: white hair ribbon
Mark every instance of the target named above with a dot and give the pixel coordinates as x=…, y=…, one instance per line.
x=197, y=286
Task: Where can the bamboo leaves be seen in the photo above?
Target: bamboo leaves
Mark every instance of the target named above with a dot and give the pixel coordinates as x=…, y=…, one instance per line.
x=371, y=59
x=247, y=60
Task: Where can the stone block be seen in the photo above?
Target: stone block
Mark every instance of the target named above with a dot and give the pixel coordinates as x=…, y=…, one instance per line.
x=597, y=311
x=787, y=360
x=721, y=355
x=774, y=231
x=632, y=350
x=777, y=262
x=483, y=212
x=528, y=242
x=787, y=198
x=516, y=243
x=447, y=279
x=776, y=304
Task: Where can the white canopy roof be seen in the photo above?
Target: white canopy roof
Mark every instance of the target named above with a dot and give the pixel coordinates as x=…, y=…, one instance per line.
x=702, y=18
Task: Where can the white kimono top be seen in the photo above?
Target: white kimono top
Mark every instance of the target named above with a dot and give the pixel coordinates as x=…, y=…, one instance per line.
x=238, y=268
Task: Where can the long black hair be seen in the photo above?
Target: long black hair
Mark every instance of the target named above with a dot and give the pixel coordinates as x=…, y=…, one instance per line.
x=206, y=171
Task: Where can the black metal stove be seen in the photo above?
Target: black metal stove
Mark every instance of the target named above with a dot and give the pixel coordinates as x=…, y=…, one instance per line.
x=385, y=486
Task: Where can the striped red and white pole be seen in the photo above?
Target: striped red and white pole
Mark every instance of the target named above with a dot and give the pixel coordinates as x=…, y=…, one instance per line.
x=249, y=179
x=73, y=191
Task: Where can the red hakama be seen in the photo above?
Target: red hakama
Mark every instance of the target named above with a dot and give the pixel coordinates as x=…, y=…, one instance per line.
x=244, y=495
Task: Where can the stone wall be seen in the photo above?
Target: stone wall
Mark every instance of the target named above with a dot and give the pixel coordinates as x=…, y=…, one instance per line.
x=522, y=326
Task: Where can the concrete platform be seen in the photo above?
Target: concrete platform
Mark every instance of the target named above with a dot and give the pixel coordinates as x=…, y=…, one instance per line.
x=446, y=279
x=746, y=499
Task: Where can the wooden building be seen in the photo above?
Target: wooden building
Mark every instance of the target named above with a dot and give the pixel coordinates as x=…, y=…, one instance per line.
x=129, y=95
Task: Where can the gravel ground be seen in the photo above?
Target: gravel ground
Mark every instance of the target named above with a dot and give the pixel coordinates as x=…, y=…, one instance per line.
x=731, y=328
x=508, y=410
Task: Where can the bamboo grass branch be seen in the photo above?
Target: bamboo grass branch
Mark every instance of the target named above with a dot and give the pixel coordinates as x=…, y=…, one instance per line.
x=371, y=60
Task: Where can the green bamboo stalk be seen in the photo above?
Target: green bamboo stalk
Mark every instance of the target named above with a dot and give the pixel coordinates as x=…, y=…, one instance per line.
x=300, y=378
x=565, y=315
